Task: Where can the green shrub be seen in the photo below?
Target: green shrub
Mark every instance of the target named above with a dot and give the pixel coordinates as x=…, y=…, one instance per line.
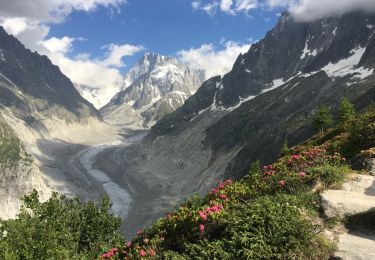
x=331, y=176
x=271, y=227
x=59, y=228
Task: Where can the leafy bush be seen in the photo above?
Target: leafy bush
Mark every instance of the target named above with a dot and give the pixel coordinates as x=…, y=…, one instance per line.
x=266, y=215
x=330, y=176
x=59, y=228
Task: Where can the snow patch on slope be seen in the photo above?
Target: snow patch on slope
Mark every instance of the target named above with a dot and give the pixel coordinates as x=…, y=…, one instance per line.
x=307, y=52
x=348, y=66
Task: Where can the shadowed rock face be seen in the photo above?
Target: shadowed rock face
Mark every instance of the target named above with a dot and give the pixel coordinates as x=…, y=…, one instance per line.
x=273, y=91
x=30, y=82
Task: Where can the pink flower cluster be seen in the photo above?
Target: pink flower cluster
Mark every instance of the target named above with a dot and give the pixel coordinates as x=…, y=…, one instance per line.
x=294, y=158
x=221, y=186
x=268, y=170
x=210, y=210
x=111, y=253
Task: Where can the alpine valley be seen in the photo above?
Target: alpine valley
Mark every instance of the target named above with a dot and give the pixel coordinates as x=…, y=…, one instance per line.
x=170, y=133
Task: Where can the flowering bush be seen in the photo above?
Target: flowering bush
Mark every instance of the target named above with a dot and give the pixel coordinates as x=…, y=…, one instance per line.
x=295, y=173
x=262, y=216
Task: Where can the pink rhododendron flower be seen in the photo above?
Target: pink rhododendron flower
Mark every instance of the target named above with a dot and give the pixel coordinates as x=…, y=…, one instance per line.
x=202, y=215
x=223, y=197
x=302, y=174
x=201, y=228
x=151, y=252
x=282, y=183
x=142, y=253
x=128, y=244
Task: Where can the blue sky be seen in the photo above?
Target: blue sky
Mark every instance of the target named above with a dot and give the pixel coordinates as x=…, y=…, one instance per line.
x=165, y=28
x=94, y=42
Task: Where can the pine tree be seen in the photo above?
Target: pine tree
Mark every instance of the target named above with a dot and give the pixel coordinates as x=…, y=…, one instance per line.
x=346, y=110
x=322, y=119
x=255, y=169
x=285, y=150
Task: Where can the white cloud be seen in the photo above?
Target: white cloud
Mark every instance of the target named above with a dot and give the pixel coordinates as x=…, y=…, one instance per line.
x=102, y=74
x=210, y=8
x=14, y=25
x=93, y=74
x=245, y=5
x=214, y=60
x=30, y=22
x=226, y=6
x=56, y=45
x=307, y=10
x=231, y=7
x=302, y=10
x=51, y=10
x=117, y=52
x=196, y=5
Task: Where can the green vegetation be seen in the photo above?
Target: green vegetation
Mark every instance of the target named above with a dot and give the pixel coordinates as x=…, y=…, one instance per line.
x=11, y=148
x=346, y=111
x=285, y=150
x=323, y=119
x=272, y=213
x=269, y=214
x=59, y=228
x=351, y=137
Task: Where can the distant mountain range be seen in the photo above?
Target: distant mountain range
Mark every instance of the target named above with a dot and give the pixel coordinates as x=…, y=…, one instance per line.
x=155, y=86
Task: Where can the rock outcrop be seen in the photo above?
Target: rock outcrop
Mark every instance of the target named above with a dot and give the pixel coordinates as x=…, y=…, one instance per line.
x=357, y=198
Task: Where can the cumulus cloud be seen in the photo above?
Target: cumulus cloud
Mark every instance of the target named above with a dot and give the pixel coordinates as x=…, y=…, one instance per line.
x=30, y=22
x=302, y=10
x=214, y=60
x=117, y=52
x=51, y=10
x=102, y=74
x=231, y=7
x=308, y=10
x=56, y=45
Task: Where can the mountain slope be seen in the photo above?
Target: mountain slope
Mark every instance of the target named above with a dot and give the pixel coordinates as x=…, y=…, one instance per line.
x=38, y=106
x=154, y=87
x=273, y=90
x=234, y=120
x=30, y=82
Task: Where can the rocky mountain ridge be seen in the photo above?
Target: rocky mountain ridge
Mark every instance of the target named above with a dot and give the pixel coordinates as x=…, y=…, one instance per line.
x=30, y=82
x=269, y=97
x=155, y=86
x=38, y=105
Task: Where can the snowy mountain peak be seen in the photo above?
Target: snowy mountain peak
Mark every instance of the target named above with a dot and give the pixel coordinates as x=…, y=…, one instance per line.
x=155, y=86
x=155, y=64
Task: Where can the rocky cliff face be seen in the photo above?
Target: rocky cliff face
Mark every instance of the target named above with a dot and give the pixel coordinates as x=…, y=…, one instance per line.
x=154, y=87
x=31, y=85
x=269, y=97
x=19, y=175
x=37, y=102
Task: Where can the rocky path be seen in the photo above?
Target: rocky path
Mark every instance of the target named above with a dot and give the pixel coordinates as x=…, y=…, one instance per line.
x=356, y=201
